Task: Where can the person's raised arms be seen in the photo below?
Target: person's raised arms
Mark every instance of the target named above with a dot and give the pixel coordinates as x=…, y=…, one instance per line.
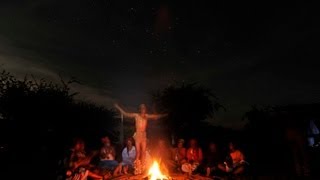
x=131, y=115
x=156, y=116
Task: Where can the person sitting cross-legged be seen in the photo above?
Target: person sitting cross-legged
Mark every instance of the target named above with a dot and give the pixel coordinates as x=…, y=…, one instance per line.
x=194, y=158
x=237, y=165
x=212, y=159
x=78, y=163
x=179, y=154
x=128, y=156
x=107, y=157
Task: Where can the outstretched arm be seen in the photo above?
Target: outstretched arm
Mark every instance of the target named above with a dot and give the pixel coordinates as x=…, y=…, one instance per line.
x=156, y=116
x=132, y=115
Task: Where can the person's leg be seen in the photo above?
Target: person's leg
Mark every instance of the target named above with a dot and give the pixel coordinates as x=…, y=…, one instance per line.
x=222, y=167
x=238, y=170
x=84, y=175
x=138, y=149
x=137, y=163
x=208, y=171
x=143, y=150
x=94, y=175
x=125, y=169
x=114, y=163
x=186, y=168
x=117, y=170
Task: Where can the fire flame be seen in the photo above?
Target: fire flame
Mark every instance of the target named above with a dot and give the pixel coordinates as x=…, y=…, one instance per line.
x=155, y=173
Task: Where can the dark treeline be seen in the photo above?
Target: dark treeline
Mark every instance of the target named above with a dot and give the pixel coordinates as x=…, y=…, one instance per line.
x=39, y=120
x=278, y=138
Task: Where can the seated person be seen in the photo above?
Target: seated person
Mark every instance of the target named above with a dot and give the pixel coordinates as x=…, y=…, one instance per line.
x=179, y=154
x=237, y=164
x=107, y=155
x=212, y=159
x=78, y=163
x=163, y=154
x=194, y=157
x=128, y=156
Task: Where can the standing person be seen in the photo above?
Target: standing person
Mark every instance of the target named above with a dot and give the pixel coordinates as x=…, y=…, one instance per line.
x=141, y=120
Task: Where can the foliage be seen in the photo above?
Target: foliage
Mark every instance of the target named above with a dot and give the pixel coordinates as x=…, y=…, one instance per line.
x=187, y=104
x=47, y=113
x=269, y=129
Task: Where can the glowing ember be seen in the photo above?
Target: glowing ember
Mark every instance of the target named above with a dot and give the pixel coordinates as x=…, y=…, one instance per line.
x=155, y=173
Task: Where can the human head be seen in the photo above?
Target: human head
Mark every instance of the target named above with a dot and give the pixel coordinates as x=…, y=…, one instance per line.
x=232, y=146
x=193, y=143
x=130, y=142
x=78, y=145
x=161, y=143
x=105, y=140
x=143, y=108
x=212, y=147
x=180, y=143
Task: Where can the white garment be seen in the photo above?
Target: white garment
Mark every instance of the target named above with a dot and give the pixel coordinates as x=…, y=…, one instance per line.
x=128, y=157
x=313, y=129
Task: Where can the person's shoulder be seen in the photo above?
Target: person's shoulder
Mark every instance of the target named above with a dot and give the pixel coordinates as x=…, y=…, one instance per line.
x=133, y=149
x=238, y=151
x=134, y=115
x=150, y=115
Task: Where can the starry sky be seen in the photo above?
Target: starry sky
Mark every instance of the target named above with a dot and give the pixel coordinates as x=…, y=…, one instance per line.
x=248, y=53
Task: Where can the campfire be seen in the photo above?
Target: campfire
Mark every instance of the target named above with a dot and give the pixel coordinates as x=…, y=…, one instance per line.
x=155, y=172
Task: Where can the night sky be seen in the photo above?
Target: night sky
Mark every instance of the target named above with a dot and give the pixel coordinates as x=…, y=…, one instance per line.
x=248, y=53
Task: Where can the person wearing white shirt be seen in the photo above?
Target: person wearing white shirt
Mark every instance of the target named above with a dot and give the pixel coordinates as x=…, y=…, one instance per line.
x=128, y=156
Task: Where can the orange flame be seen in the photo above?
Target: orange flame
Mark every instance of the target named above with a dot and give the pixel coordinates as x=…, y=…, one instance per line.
x=155, y=173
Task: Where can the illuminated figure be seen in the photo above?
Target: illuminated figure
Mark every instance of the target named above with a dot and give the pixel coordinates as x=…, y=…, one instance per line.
x=140, y=136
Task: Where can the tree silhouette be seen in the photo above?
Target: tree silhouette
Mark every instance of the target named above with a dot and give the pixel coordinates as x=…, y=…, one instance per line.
x=282, y=127
x=42, y=117
x=188, y=106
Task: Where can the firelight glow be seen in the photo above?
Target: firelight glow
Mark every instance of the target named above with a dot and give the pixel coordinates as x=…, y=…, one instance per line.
x=155, y=173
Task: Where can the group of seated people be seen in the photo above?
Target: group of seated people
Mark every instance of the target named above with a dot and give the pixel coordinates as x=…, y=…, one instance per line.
x=193, y=159
x=102, y=164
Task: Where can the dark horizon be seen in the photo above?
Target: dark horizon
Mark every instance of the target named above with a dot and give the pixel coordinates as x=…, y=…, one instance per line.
x=248, y=53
